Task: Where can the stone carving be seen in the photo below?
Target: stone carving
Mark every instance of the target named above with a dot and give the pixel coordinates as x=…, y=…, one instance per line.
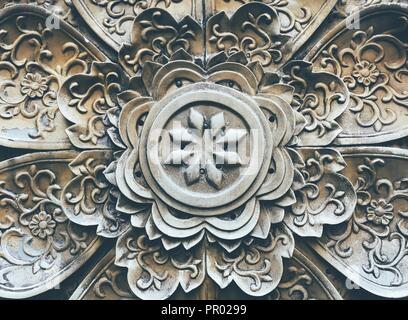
x=88, y=198
x=303, y=281
x=372, y=63
x=80, y=105
x=205, y=141
x=30, y=80
x=255, y=31
x=209, y=156
x=379, y=223
x=223, y=125
x=321, y=97
x=344, y=8
x=37, y=237
x=326, y=196
x=156, y=36
x=62, y=9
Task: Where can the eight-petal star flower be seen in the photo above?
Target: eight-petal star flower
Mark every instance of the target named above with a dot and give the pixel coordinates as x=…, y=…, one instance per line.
x=208, y=145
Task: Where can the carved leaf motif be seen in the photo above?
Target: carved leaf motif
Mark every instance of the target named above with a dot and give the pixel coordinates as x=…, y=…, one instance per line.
x=156, y=36
x=322, y=98
x=256, y=269
x=301, y=280
x=218, y=208
x=154, y=273
x=105, y=281
x=112, y=20
x=298, y=19
x=253, y=29
x=327, y=197
x=39, y=247
x=88, y=198
x=85, y=100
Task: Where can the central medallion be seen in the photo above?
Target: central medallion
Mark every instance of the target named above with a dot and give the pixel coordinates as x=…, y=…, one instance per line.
x=207, y=149
x=205, y=146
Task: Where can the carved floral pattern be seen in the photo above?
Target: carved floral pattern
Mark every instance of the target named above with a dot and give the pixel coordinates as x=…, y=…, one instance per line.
x=201, y=110
x=379, y=221
x=255, y=32
x=373, y=66
x=156, y=35
x=37, y=237
x=370, y=80
x=117, y=15
x=380, y=212
x=205, y=140
x=301, y=281
x=366, y=73
x=200, y=148
x=377, y=225
x=30, y=80
x=295, y=21
x=42, y=225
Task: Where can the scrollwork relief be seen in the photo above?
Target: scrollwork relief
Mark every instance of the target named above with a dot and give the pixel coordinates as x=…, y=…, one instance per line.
x=37, y=237
x=379, y=222
x=253, y=29
x=33, y=67
x=113, y=19
x=372, y=63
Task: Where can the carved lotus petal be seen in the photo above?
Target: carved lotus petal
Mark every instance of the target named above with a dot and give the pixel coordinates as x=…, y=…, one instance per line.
x=30, y=79
x=237, y=33
x=155, y=273
x=113, y=24
x=298, y=19
x=85, y=99
x=163, y=140
x=301, y=280
x=173, y=35
x=369, y=252
x=256, y=269
x=326, y=198
x=324, y=97
x=88, y=198
x=40, y=246
x=376, y=111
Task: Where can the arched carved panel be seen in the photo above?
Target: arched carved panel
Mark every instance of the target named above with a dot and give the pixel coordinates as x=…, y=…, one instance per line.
x=297, y=22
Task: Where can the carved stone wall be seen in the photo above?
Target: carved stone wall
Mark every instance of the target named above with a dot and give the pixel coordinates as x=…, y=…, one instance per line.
x=223, y=149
